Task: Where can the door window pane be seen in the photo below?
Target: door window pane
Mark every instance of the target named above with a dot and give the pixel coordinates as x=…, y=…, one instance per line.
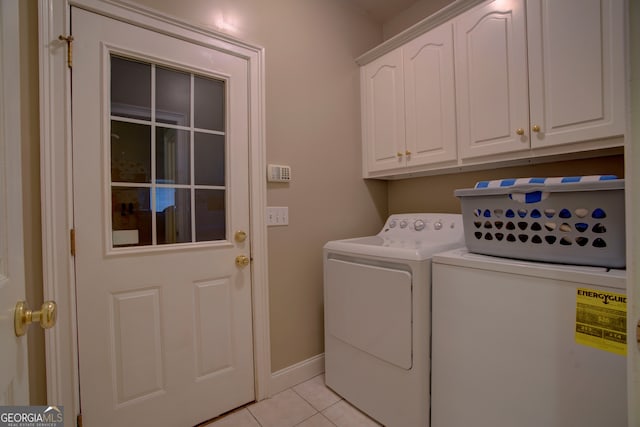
x=130, y=152
x=130, y=88
x=209, y=103
x=210, y=215
x=209, y=159
x=173, y=97
x=173, y=215
x=168, y=157
x=173, y=158
x=131, y=216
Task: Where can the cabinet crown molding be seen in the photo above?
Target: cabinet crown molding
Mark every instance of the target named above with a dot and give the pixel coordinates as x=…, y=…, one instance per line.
x=440, y=17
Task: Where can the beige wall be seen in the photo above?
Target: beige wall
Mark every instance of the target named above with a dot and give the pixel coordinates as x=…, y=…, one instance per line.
x=313, y=125
x=414, y=14
x=435, y=193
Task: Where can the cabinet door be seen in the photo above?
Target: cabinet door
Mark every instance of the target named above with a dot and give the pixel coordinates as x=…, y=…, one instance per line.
x=430, y=98
x=383, y=113
x=576, y=70
x=491, y=79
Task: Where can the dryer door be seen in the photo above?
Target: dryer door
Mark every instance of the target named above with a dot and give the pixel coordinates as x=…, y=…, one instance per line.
x=369, y=307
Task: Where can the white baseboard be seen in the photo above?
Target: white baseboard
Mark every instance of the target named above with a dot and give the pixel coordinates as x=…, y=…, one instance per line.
x=296, y=374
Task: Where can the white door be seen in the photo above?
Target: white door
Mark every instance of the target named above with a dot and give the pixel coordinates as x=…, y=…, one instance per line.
x=160, y=184
x=491, y=79
x=14, y=385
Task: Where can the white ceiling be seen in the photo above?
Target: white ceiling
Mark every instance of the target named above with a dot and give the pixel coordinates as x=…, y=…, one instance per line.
x=383, y=10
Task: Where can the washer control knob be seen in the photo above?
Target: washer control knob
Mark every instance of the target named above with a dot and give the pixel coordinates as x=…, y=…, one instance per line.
x=418, y=225
x=392, y=223
x=438, y=225
x=403, y=223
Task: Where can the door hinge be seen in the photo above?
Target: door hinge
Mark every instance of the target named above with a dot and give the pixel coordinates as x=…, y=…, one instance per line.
x=79, y=420
x=72, y=241
x=69, y=40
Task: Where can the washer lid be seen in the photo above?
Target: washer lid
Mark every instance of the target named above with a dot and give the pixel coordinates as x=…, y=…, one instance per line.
x=376, y=246
x=598, y=276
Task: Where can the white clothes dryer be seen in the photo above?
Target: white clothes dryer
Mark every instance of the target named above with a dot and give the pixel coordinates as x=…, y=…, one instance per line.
x=527, y=344
x=377, y=315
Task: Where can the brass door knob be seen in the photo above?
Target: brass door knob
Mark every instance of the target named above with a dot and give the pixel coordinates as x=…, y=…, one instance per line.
x=240, y=236
x=408, y=153
x=23, y=317
x=535, y=128
x=399, y=154
x=520, y=131
x=242, y=261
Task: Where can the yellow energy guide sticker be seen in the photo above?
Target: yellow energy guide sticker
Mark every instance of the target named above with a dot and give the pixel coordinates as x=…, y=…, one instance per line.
x=601, y=320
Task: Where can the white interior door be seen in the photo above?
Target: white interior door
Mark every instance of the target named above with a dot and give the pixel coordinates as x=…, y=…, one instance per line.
x=14, y=384
x=160, y=184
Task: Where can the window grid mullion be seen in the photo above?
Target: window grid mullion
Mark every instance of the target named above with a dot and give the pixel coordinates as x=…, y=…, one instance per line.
x=192, y=168
x=126, y=184
x=154, y=220
x=165, y=125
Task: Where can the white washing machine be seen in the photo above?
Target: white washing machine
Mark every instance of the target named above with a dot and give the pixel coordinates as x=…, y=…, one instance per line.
x=526, y=344
x=377, y=315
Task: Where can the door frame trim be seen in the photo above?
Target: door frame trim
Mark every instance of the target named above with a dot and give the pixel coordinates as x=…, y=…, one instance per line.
x=57, y=196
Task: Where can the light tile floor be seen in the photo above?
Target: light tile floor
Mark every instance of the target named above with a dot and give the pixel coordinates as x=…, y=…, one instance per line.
x=309, y=404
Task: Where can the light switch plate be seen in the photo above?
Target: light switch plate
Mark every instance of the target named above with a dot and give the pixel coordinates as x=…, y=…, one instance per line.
x=277, y=215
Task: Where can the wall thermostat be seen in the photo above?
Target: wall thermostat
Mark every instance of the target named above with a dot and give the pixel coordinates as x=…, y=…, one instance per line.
x=278, y=173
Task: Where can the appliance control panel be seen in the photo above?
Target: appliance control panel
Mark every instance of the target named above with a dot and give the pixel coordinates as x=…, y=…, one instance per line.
x=408, y=225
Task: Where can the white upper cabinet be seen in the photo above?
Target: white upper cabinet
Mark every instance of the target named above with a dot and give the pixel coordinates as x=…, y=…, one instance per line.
x=486, y=84
x=556, y=79
x=576, y=70
x=383, y=126
x=430, y=98
x=491, y=79
x=409, y=104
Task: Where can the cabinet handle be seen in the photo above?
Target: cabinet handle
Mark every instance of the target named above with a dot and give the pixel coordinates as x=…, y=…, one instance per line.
x=399, y=154
x=520, y=131
x=535, y=128
x=408, y=153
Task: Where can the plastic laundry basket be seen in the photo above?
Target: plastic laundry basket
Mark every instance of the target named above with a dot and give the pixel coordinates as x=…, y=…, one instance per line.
x=570, y=220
